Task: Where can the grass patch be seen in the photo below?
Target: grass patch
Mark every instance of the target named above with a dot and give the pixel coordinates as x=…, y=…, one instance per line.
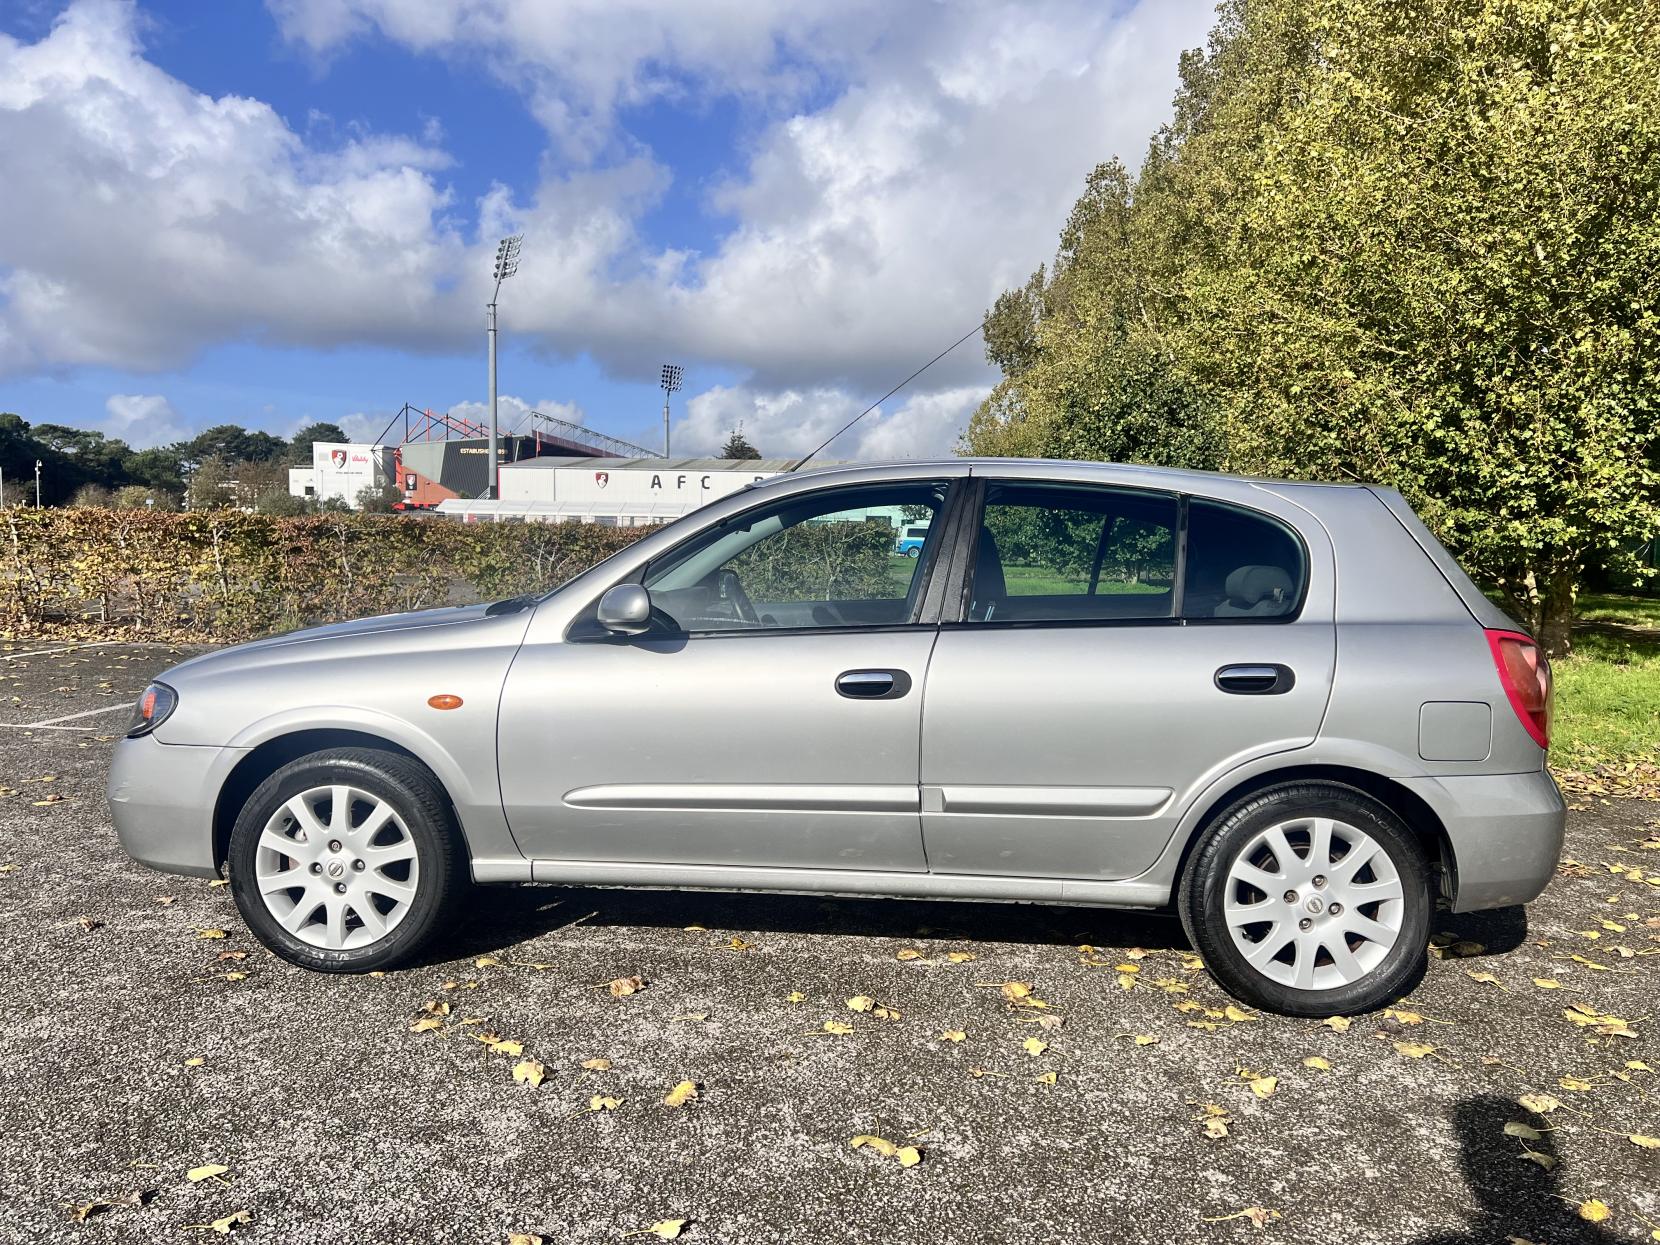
x=1625, y=610
x=1607, y=700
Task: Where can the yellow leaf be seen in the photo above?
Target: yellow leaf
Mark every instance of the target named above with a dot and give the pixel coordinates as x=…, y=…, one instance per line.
x=526, y=1238
x=1048, y=1078
x=1403, y=1017
x=622, y=987
x=1574, y=1083
x=206, y=1172
x=1540, y=1104
x=1216, y=1126
x=1264, y=1086
x=486, y=961
x=210, y=933
x=195, y=1061
x=1034, y=1046
x=1594, y=1211
x=599, y=1102
x=795, y=996
x=908, y=1156
x=953, y=1035
x=881, y=1145
x=860, y=1003
x=528, y=1072
x=1547, y=983
x=1317, y=1063
x=1337, y=1024
x=1014, y=991
x=1414, y=1050
x=1515, y=1128
x=909, y=953
x=1126, y=968
x=837, y=1027
x=1126, y=981
x=959, y=957
x=597, y=1065
x=501, y=1046
x=886, y=1013
x=1648, y=1143
x=1486, y=978
x=681, y=1094
x=663, y=1229
x=1146, y=1039
x=226, y=1224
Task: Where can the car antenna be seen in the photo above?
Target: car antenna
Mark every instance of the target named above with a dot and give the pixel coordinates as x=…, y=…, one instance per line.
x=796, y=466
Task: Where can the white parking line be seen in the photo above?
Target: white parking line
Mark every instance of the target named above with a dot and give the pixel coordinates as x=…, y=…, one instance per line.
x=70, y=717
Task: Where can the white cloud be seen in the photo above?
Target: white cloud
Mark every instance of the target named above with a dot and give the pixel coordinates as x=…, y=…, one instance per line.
x=793, y=422
x=897, y=166
x=143, y=420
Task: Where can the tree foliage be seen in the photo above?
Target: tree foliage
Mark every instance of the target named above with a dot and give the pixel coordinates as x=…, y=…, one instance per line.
x=1410, y=242
x=738, y=446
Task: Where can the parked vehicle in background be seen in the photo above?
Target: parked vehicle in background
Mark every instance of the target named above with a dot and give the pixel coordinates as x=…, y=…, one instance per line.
x=910, y=542
x=1282, y=708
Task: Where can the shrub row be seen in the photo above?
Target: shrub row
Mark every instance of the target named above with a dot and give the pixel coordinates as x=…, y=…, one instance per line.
x=225, y=575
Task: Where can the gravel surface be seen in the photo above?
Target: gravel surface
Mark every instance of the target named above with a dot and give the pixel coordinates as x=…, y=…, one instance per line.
x=140, y=1043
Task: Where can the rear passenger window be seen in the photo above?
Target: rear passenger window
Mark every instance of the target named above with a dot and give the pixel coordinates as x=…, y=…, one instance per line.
x=1240, y=565
x=1050, y=553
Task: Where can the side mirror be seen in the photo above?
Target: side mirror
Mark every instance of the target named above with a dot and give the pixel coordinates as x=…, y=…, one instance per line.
x=625, y=609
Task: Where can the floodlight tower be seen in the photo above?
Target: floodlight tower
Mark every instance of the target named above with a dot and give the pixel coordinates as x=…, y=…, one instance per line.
x=672, y=373
x=507, y=263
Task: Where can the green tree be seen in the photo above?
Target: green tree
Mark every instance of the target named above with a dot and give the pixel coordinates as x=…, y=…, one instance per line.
x=1403, y=241
x=299, y=447
x=738, y=446
x=235, y=443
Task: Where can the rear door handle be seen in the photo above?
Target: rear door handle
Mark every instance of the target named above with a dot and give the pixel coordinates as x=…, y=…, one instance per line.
x=1256, y=680
x=873, y=684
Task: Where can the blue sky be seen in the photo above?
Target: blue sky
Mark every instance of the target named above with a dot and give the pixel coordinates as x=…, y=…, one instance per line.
x=283, y=212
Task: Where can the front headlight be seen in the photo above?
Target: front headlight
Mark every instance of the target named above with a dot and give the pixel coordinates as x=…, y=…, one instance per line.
x=152, y=709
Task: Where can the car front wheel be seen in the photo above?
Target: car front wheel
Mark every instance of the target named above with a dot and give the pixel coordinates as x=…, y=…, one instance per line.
x=347, y=860
x=1310, y=899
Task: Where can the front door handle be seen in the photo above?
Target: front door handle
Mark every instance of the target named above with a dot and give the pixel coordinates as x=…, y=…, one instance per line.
x=873, y=684
x=1266, y=679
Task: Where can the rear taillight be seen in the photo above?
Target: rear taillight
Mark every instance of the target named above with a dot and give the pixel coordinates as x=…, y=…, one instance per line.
x=1526, y=677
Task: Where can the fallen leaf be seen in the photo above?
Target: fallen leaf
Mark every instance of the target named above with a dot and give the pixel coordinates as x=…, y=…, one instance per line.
x=738, y=944
x=622, y=987
x=210, y=933
x=1337, y=1024
x=880, y=1145
x=529, y=1072
x=597, y=1065
x=908, y=1156
x=206, y=1172
x=526, y=1238
x=663, y=1229
x=1539, y=1104
x=837, y=1027
x=681, y=1094
x=860, y=1003
x=486, y=961
x=1015, y=991
x=1575, y=1084
x=1146, y=1039
x=1236, y=1014
x=1515, y=1128
x=425, y=1024
x=1486, y=978
x=795, y=996
x=959, y=957
x=599, y=1102
x=1034, y=1046
x=224, y=1226
x=1594, y=1211
x=1414, y=1050
x=1317, y=1063
x=1259, y=1216
x=1547, y=983
x=909, y=953
x=195, y=1061
x=1648, y=1143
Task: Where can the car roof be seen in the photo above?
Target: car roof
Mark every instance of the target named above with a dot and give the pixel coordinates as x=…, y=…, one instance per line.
x=1172, y=478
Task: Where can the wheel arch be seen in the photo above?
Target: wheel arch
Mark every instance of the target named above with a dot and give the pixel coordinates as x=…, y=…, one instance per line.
x=271, y=755
x=1405, y=803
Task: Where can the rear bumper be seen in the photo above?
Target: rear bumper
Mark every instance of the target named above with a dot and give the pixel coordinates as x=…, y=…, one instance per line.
x=162, y=798
x=1505, y=831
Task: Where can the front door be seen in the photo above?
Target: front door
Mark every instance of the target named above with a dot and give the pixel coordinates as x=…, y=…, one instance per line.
x=1119, y=649
x=772, y=716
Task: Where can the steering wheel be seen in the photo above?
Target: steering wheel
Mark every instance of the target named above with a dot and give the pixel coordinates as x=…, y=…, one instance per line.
x=732, y=589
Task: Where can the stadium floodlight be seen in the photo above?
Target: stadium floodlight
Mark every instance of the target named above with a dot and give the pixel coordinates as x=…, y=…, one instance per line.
x=672, y=372
x=507, y=263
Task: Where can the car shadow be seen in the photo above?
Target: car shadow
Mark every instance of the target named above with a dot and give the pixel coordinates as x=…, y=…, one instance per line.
x=500, y=917
x=1515, y=1199
x=1497, y=931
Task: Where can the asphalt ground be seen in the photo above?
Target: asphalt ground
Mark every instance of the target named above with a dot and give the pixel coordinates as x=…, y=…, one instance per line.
x=138, y=1045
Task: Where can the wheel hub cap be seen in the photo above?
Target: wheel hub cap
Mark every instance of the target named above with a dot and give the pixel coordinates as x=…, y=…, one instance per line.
x=337, y=867
x=1313, y=903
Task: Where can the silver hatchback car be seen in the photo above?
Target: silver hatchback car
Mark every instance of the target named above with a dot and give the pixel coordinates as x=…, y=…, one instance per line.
x=1282, y=708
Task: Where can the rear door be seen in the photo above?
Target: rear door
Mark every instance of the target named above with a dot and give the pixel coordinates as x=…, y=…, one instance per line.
x=1114, y=650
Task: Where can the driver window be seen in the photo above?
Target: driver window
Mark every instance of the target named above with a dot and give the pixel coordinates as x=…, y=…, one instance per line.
x=841, y=558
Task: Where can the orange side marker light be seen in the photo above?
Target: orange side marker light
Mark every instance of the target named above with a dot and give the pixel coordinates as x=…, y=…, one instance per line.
x=444, y=701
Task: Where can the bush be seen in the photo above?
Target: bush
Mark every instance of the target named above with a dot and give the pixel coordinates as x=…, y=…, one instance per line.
x=225, y=575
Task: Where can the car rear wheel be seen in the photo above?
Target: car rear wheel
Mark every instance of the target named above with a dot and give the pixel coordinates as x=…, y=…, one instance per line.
x=1311, y=899
x=347, y=860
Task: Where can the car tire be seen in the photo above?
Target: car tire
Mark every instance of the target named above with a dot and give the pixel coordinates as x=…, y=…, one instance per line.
x=1322, y=932
x=915, y=551
x=368, y=887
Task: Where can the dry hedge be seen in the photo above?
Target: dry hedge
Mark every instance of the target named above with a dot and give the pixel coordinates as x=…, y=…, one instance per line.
x=224, y=575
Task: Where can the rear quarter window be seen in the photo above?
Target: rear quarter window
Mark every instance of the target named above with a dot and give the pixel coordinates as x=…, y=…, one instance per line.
x=1241, y=565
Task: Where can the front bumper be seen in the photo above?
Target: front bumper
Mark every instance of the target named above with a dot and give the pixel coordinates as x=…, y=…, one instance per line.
x=1505, y=831
x=162, y=798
